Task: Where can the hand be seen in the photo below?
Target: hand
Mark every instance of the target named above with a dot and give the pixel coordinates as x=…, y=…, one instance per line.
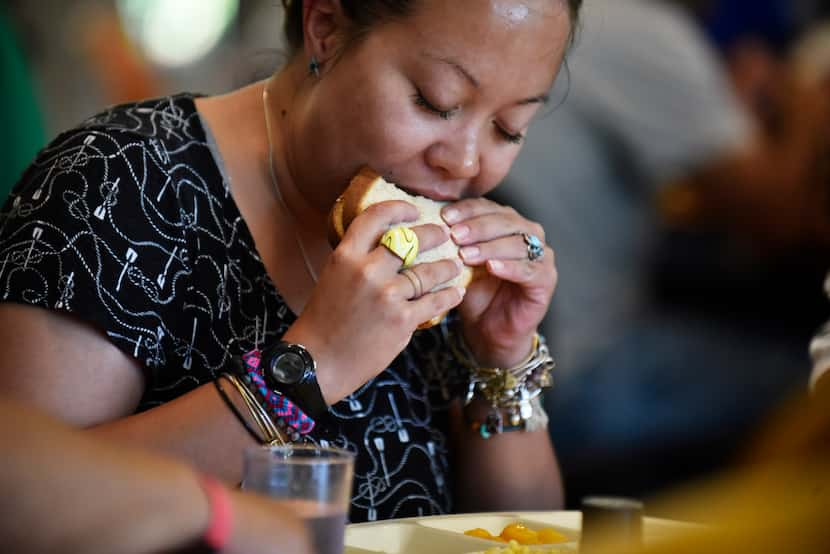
x=362, y=312
x=501, y=311
x=265, y=526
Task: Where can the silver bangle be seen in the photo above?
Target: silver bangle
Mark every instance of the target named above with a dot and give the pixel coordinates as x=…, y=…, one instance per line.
x=272, y=436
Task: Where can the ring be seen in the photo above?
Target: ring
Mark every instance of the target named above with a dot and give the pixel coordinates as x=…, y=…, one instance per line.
x=402, y=242
x=417, y=285
x=535, y=248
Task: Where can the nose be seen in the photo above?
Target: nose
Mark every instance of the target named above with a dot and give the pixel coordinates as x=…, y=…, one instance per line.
x=457, y=157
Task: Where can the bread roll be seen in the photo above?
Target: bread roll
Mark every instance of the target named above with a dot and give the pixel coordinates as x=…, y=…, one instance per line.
x=367, y=188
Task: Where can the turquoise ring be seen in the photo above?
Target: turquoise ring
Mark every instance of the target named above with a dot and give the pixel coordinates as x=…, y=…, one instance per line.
x=535, y=248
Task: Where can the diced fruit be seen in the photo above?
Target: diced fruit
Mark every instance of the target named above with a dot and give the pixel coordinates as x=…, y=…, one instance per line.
x=520, y=534
x=547, y=535
x=481, y=534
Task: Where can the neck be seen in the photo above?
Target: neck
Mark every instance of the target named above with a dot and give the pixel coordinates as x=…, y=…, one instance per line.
x=309, y=219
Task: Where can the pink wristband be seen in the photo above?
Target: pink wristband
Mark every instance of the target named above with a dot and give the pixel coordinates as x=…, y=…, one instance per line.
x=218, y=531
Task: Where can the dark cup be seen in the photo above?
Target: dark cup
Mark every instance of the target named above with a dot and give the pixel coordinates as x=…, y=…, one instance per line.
x=610, y=520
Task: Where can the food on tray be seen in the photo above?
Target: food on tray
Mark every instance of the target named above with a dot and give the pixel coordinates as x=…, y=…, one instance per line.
x=521, y=534
x=480, y=533
x=515, y=548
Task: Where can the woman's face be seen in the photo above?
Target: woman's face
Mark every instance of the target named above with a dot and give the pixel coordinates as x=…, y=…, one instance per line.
x=439, y=102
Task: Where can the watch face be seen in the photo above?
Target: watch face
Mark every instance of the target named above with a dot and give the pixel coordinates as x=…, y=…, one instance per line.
x=288, y=368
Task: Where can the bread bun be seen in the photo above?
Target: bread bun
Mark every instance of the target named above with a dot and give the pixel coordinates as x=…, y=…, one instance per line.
x=367, y=188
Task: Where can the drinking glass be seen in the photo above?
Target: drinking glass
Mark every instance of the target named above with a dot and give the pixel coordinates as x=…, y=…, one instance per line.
x=315, y=483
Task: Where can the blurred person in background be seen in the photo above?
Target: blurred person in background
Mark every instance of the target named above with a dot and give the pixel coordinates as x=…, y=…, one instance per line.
x=21, y=120
x=820, y=351
x=662, y=349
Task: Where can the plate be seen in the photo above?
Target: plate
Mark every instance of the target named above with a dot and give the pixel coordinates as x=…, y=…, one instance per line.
x=445, y=534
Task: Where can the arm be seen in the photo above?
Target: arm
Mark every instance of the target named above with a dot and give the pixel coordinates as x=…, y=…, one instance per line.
x=510, y=471
x=499, y=317
x=70, y=370
x=131, y=501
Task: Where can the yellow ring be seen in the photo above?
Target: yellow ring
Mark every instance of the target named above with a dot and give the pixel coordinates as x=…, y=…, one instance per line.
x=402, y=242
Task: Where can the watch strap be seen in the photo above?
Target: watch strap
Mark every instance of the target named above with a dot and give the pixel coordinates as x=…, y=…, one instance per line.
x=305, y=392
x=278, y=405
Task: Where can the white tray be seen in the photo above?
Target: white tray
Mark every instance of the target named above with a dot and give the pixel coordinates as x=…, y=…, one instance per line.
x=445, y=534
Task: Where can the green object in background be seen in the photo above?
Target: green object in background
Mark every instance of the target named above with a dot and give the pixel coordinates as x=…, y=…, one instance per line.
x=21, y=121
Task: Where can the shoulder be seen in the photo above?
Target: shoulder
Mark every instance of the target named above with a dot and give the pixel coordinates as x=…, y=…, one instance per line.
x=171, y=119
x=160, y=128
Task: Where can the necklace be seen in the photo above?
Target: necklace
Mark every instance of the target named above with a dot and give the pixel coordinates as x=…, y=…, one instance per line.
x=309, y=267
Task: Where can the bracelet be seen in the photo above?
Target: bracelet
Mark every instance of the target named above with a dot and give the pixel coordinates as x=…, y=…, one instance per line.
x=220, y=523
x=232, y=407
x=494, y=423
x=287, y=414
x=510, y=392
x=270, y=432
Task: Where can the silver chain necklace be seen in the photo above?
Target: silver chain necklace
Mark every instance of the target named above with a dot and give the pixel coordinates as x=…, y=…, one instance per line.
x=276, y=185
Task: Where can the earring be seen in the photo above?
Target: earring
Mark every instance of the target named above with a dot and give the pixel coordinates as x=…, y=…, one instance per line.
x=314, y=67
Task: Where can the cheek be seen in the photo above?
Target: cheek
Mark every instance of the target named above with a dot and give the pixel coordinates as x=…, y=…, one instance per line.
x=495, y=165
x=385, y=131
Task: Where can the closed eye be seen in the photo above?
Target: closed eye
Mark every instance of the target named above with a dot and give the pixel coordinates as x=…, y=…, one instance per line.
x=513, y=138
x=421, y=100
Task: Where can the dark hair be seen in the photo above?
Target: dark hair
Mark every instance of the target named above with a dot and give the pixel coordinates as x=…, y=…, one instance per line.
x=364, y=14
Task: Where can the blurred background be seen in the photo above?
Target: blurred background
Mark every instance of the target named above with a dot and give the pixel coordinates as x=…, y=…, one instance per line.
x=682, y=174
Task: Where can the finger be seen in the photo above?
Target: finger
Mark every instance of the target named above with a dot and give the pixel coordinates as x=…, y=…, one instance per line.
x=429, y=236
x=492, y=226
x=524, y=272
x=505, y=248
x=369, y=225
x=470, y=207
x=414, y=282
x=436, y=303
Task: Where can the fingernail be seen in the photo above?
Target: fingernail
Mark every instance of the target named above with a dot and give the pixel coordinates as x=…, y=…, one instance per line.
x=451, y=215
x=461, y=291
x=460, y=231
x=497, y=265
x=470, y=252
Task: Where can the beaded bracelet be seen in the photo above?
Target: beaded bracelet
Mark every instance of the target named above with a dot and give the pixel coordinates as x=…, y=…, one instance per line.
x=287, y=415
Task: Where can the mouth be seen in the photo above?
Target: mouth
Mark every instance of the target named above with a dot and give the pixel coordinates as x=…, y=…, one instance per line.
x=437, y=192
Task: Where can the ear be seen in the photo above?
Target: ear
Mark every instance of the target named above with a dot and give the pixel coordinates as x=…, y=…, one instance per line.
x=324, y=28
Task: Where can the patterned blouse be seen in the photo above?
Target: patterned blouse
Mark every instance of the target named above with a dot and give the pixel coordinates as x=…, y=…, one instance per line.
x=127, y=222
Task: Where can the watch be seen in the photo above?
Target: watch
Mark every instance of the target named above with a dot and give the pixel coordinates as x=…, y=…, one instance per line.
x=290, y=370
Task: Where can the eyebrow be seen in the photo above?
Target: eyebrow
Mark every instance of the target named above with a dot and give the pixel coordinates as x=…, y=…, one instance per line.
x=461, y=70
x=457, y=67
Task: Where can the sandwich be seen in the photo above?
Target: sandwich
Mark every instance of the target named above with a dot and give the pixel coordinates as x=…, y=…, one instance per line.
x=367, y=188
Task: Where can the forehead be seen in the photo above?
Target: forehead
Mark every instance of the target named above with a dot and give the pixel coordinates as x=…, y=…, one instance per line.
x=497, y=41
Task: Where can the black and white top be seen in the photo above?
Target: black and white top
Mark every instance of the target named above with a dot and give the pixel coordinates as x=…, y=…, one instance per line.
x=128, y=223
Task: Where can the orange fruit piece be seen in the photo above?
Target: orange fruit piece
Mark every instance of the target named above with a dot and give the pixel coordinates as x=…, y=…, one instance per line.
x=547, y=535
x=481, y=534
x=520, y=534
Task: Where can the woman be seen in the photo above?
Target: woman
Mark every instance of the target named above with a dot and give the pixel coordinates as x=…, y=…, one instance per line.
x=166, y=238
